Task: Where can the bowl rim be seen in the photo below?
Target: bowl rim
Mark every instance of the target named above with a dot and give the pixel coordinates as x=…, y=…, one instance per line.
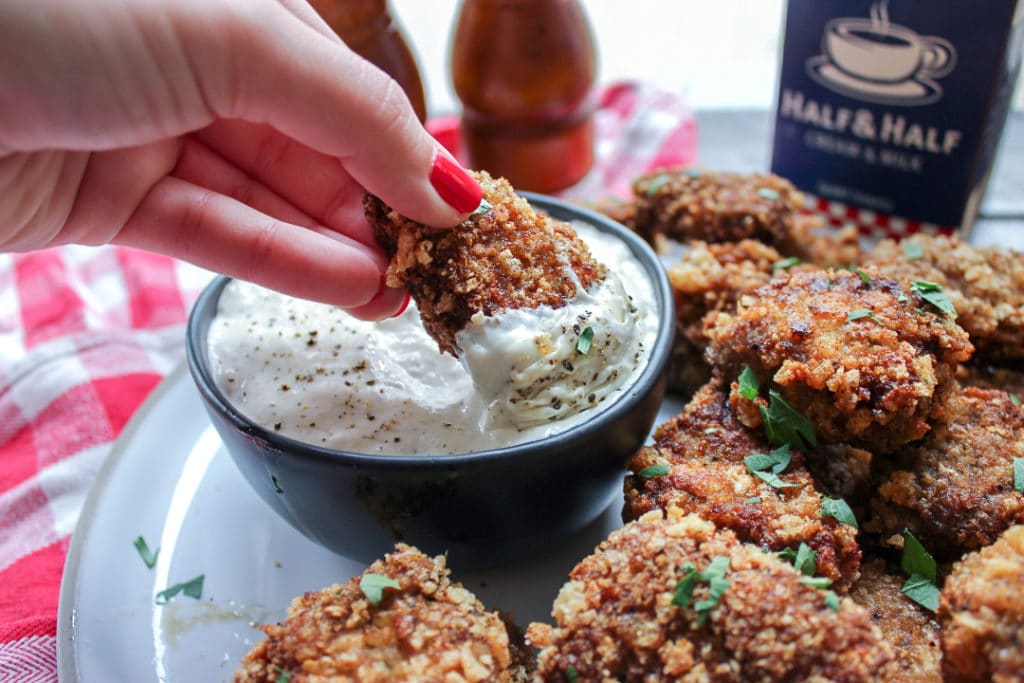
x=196, y=353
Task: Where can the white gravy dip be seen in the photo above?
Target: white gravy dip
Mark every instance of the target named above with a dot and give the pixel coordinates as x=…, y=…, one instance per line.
x=314, y=373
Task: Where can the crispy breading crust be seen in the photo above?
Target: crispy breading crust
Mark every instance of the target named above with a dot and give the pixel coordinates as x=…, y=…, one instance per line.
x=981, y=609
x=428, y=630
x=510, y=257
x=615, y=621
x=912, y=631
x=705, y=446
x=955, y=490
x=874, y=382
x=984, y=284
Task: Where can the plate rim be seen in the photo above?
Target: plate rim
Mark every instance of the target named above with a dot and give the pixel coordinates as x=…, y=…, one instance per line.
x=67, y=653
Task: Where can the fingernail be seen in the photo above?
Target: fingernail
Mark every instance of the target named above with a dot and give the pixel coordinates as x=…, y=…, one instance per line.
x=454, y=184
x=405, y=305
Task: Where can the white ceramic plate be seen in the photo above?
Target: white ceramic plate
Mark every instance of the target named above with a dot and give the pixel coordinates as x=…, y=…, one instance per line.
x=170, y=480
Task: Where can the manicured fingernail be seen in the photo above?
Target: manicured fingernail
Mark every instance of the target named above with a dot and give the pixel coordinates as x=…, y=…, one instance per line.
x=405, y=305
x=454, y=184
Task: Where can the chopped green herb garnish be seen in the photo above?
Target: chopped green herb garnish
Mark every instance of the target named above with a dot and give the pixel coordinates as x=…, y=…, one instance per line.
x=832, y=600
x=816, y=581
x=571, y=675
x=684, y=589
x=767, y=467
x=749, y=384
x=864, y=313
x=803, y=558
x=1018, y=475
x=711, y=430
x=714, y=574
x=652, y=471
x=148, y=557
x=786, y=263
x=753, y=501
x=922, y=590
x=933, y=294
x=484, y=207
x=282, y=675
x=915, y=559
x=839, y=510
x=373, y=586
x=913, y=250
x=1015, y=400
x=277, y=487
x=903, y=298
x=768, y=193
x=586, y=340
x=193, y=589
x=657, y=183
x=783, y=424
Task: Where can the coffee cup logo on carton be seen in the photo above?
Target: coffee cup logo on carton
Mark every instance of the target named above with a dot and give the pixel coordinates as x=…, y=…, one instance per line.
x=898, y=113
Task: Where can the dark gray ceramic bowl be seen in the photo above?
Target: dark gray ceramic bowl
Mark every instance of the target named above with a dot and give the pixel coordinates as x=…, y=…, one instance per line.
x=484, y=509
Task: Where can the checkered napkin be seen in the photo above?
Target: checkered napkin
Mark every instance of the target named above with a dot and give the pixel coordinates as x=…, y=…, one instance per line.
x=87, y=333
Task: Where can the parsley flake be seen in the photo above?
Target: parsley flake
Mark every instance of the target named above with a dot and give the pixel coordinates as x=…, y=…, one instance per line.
x=749, y=384
x=785, y=425
x=832, y=600
x=585, y=341
x=1018, y=475
x=373, y=586
x=861, y=313
x=571, y=675
x=752, y=501
x=768, y=467
x=282, y=675
x=915, y=559
x=803, y=558
x=683, y=591
x=838, y=509
x=1015, y=400
x=922, y=590
x=768, y=193
x=484, y=207
x=786, y=263
x=148, y=557
x=816, y=581
x=863, y=277
x=193, y=589
x=933, y=294
x=652, y=471
x=714, y=575
x=913, y=251
x=658, y=182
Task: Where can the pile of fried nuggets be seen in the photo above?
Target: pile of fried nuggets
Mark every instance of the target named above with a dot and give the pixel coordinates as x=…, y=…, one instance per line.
x=846, y=406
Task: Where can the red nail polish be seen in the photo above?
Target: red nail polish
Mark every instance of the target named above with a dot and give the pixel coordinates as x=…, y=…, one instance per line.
x=405, y=305
x=454, y=184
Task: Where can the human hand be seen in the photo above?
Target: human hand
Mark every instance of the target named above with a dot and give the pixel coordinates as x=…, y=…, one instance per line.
x=236, y=134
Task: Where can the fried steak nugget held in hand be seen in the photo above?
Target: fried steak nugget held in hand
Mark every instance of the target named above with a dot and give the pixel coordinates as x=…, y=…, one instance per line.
x=868, y=361
x=984, y=284
x=428, y=629
x=619, y=617
x=704, y=448
x=955, y=491
x=510, y=257
x=981, y=609
x=911, y=630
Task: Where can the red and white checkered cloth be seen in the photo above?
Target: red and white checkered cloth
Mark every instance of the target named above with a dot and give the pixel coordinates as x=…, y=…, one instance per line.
x=87, y=333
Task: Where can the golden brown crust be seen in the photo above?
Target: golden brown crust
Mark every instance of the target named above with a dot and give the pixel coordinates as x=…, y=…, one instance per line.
x=984, y=284
x=430, y=629
x=981, y=609
x=705, y=447
x=510, y=257
x=874, y=382
x=955, y=490
x=615, y=620
x=912, y=631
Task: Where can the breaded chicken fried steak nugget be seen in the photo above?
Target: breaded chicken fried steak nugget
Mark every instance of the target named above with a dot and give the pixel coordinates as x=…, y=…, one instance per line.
x=401, y=620
x=981, y=609
x=669, y=598
x=507, y=257
x=871, y=362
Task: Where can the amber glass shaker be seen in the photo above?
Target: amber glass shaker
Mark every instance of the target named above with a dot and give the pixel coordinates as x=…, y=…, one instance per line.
x=524, y=71
x=369, y=28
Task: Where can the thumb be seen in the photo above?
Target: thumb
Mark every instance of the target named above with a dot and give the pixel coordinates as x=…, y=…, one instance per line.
x=316, y=90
